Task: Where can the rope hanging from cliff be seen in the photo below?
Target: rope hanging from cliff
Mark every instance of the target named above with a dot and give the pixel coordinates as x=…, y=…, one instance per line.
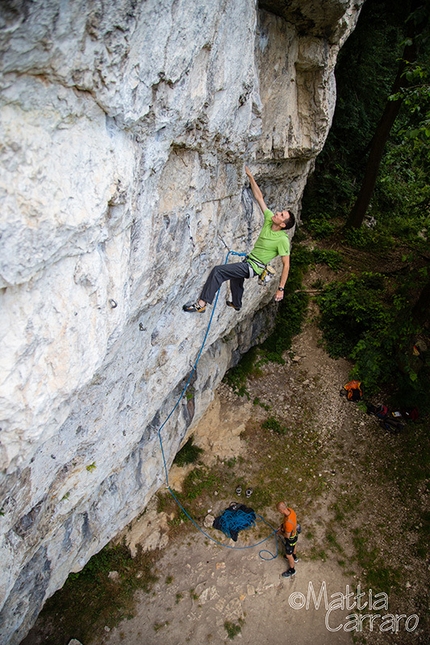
x=166, y=472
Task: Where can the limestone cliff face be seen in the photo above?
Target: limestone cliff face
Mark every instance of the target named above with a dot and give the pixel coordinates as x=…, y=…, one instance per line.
x=125, y=127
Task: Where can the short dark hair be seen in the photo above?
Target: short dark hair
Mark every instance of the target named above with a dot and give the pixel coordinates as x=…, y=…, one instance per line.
x=291, y=220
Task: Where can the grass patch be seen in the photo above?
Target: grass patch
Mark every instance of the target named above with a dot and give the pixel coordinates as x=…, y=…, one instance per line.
x=233, y=629
x=273, y=424
x=286, y=462
x=345, y=506
x=198, y=481
x=257, y=401
x=230, y=463
x=318, y=554
x=91, y=600
x=379, y=577
x=331, y=539
x=237, y=377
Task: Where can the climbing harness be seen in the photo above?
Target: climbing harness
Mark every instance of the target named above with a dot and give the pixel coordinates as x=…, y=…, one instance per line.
x=267, y=273
x=166, y=472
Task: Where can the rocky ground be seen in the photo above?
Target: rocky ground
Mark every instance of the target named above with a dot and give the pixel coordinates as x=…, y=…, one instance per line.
x=292, y=437
x=333, y=464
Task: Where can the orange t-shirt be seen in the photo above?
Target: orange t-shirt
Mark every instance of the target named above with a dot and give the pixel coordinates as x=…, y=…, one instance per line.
x=290, y=523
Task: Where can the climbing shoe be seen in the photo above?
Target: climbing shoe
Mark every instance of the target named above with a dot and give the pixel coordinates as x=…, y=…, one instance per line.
x=230, y=304
x=249, y=492
x=194, y=307
x=289, y=574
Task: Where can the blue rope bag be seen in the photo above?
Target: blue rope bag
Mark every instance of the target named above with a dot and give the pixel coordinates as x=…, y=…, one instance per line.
x=234, y=519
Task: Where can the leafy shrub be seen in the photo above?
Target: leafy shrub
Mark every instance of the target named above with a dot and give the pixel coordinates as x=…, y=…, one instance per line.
x=233, y=629
x=332, y=259
x=350, y=309
x=305, y=256
x=236, y=377
x=300, y=260
x=362, y=323
x=366, y=238
x=188, y=454
x=320, y=228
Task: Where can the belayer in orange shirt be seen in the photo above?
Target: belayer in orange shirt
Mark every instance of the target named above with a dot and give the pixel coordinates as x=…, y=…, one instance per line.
x=288, y=530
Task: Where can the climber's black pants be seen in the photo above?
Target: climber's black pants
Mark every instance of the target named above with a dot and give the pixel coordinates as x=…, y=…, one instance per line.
x=236, y=273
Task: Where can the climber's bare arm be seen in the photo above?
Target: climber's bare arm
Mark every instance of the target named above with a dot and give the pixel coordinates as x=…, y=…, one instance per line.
x=279, y=295
x=256, y=191
x=285, y=270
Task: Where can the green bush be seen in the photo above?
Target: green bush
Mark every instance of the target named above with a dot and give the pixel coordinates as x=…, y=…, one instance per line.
x=350, y=309
x=233, y=629
x=320, y=228
x=237, y=376
x=90, y=600
x=375, y=239
x=198, y=481
x=188, y=454
x=333, y=259
x=363, y=322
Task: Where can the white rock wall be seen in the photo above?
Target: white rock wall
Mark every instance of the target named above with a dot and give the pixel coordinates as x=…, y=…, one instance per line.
x=124, y=131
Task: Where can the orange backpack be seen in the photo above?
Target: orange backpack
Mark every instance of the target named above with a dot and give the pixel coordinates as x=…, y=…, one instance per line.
x=353, y=390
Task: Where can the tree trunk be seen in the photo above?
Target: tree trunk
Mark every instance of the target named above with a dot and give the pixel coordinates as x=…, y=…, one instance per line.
x=416, y=24
x=379, y=140
x=421, y=310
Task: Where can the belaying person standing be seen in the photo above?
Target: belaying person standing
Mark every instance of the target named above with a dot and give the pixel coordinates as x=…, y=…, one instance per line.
x=288, y=530
x=272, y=242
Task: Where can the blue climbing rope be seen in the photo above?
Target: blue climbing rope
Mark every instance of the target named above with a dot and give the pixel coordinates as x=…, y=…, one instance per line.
x=166, y=472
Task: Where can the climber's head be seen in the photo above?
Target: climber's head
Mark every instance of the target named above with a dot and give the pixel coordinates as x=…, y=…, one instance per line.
x=283, y=508
x=284, y=219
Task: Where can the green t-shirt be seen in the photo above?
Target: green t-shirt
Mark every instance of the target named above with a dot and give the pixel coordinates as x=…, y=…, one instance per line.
x=269, y=244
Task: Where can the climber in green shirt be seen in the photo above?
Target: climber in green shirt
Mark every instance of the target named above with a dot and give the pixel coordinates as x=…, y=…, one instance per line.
x=272, y=241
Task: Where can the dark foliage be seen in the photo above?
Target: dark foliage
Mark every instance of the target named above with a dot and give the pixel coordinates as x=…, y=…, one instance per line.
x=188, y=454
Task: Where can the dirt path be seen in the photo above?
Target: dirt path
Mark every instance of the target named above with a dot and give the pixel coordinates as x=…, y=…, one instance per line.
x=211, y=586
